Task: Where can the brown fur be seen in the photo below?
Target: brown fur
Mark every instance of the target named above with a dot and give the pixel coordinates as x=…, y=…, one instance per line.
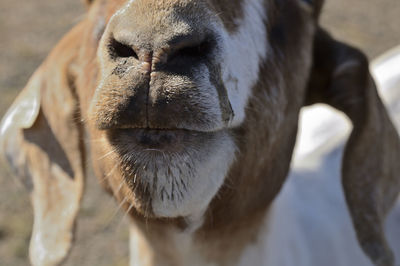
x=301, y=71
x=371, y=184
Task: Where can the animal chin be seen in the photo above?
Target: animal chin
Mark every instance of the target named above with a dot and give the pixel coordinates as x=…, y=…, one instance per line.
x=165, y=166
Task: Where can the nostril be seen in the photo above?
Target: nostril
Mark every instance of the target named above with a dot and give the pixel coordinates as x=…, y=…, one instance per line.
x=200, y=50
x=118, y=49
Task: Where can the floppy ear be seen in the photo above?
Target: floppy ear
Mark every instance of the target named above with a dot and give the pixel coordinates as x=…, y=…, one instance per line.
x=41, y=140
x=371, y=169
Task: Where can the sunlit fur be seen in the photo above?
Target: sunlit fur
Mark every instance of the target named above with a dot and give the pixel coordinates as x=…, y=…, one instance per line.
x=190, y=111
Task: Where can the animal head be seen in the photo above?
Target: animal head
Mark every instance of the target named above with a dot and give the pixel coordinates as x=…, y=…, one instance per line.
x=175, y=81
x=191, y=111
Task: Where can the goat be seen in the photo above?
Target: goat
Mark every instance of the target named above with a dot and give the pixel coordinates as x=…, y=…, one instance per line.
x=191, y=109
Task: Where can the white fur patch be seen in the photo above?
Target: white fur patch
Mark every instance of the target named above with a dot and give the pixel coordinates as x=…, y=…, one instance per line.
x=203, y=180
x=140, y=253
x=187, y=253
x=245, y=50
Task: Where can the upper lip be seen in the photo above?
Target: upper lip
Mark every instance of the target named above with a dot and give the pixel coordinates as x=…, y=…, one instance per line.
x=155, y=129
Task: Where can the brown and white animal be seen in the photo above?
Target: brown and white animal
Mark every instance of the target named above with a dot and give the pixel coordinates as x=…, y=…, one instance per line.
x=191, y=108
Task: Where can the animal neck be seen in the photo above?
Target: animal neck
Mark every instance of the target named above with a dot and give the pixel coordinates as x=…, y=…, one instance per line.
x=154, y=244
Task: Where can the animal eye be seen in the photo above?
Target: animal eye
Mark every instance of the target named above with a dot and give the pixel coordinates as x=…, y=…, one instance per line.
x=118, y=49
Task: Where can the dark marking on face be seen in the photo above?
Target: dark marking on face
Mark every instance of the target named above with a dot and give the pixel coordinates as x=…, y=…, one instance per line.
x=277, y=34
x=225, y=105
x=282, y=33
x=230, y=12
x=120, y=69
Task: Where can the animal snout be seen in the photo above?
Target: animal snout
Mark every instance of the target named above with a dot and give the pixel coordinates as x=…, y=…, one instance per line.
x=160, y=75
x=183, y=50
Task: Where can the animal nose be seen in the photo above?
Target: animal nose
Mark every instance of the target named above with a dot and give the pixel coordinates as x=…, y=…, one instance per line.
x=192, y=46
x=119, y=49
x=177, y=50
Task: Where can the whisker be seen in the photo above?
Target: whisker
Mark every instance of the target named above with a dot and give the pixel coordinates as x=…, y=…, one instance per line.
x=118, y=189
x=108, y=223
x=95, y=140
x=106, y=155
x=129, y=209
x=109, y=174
x=124, y=217
x=110, y=203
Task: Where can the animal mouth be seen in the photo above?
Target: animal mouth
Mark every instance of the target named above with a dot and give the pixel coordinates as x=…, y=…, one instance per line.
x=156, y=140
x=166, y=167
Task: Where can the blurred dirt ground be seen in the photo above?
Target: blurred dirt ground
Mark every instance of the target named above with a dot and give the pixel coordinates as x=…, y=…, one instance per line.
x=29, y=29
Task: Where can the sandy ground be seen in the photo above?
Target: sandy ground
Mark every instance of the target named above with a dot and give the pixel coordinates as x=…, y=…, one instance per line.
x=29, y=29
